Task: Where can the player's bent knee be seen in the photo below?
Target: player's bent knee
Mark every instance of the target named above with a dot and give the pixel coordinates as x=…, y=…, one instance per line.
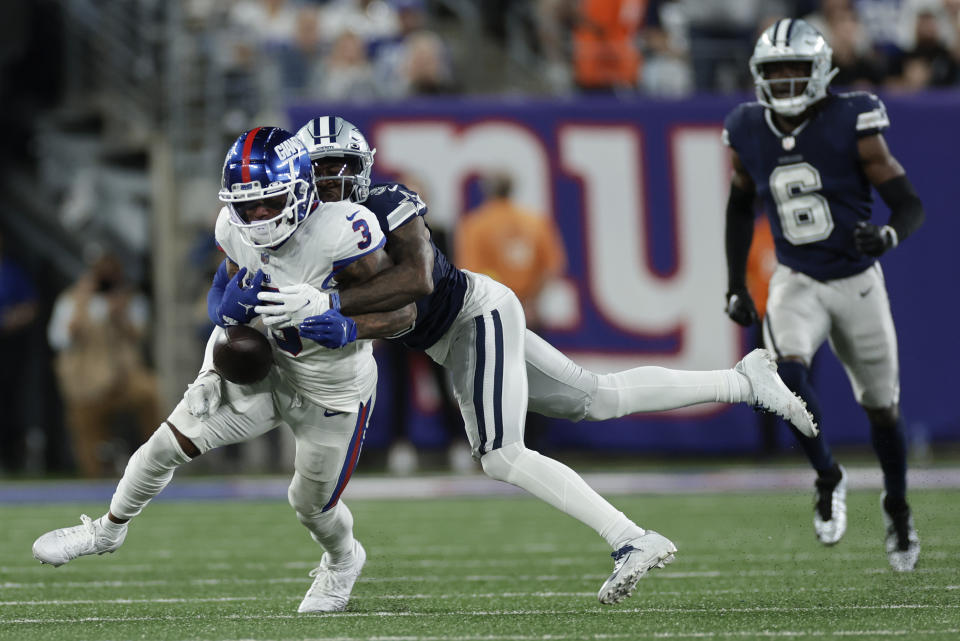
x=499, y=464
x=162, y=450
x=188, y=446
x=307, y=497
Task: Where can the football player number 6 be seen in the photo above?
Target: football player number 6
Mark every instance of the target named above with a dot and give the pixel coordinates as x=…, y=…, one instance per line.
x=804, y=214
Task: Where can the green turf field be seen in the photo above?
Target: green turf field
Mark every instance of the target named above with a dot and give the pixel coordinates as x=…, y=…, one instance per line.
x=748, y=567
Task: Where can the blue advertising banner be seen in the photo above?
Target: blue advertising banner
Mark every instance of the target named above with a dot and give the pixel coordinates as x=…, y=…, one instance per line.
x=638, y=190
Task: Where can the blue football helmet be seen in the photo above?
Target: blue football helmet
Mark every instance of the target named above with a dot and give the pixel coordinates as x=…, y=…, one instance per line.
x=329, y=139
x=268, y=169
x=792, y=41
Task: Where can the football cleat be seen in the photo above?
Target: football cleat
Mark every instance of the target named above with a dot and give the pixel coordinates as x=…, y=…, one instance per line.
x=771, y=394
x=830, y=509
x=64, y=545
x=632, y=561
x=332, y=585
x=902, y=541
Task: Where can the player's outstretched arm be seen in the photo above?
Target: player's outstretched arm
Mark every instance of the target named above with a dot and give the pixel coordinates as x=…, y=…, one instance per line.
x=409, y=278
x=333, y=329
x=906, y=211
x=739, y=236
x=359, y=275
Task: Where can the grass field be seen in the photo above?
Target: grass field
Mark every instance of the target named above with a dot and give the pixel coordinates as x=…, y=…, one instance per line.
x=748, y=567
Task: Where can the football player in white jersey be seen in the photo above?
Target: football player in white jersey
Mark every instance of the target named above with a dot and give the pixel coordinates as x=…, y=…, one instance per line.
x=475, y=327
x=279, y=238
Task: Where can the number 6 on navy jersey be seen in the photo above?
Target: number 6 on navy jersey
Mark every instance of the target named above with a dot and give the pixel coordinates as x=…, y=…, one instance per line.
x=804, y=214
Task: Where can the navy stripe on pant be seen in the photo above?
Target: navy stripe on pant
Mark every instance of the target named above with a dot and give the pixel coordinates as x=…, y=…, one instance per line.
x=481, y=339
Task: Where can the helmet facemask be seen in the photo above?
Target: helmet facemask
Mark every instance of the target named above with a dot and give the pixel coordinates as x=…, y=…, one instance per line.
x=246, y=200
x=791, y=67
x=340, y=176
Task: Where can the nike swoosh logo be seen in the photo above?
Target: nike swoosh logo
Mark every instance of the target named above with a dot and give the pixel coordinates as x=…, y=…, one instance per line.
x=353, y=215
x=329, y=413
x=865, y=292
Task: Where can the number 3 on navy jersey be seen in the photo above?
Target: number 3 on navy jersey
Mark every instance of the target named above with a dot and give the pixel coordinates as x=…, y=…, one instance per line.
x=804, y=214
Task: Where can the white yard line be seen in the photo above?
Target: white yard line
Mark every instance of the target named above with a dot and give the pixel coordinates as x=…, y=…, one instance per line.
x=499, y=613
x=444, y=597
x=478, y=578
x=651, y=635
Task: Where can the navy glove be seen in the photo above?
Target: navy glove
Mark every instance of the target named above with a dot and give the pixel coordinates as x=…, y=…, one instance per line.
x=236, y=306
x=740, y=308
x=872, y=240
x=331, y=329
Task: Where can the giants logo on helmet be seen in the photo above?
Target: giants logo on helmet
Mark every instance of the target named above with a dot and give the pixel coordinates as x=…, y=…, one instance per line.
x=288, y=148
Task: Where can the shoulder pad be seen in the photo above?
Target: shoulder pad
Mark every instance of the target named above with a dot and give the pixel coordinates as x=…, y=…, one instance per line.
x=737, y=119
x=871, y=114
x=395, y=204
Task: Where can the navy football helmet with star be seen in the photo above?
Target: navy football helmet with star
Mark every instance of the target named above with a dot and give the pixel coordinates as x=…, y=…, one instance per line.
x=267, y=167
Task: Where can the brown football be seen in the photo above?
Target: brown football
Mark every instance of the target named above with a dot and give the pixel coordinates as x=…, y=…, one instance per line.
x=242, y=355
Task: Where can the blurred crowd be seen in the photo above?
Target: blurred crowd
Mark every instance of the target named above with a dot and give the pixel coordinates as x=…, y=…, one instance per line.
x=390, y=49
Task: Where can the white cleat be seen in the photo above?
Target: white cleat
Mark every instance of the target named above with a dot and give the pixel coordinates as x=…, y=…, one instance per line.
x=632, y=561
x=830, y=510
x=64, y=545
x=772, y=394
x=902, y=541
x=331, y=588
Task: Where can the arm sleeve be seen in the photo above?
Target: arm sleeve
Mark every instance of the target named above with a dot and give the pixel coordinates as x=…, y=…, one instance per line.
x=215, y=295
x=906, y=210
x=739, y=235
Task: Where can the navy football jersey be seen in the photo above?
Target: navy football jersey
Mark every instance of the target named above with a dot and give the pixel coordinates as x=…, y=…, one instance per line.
x=811, y=182
x=395, y=205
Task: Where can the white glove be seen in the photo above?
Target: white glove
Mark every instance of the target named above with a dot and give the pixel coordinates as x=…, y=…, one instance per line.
x=203, y=395
x=291, y=305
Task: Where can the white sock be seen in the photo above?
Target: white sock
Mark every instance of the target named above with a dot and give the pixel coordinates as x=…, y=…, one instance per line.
x=655, y=389
x=109, y=527
x=561, y=487
x=148, y=471
x=332, y=529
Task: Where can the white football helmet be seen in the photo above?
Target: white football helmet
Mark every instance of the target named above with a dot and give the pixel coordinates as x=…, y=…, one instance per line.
x=790, y=40
x=334, y=137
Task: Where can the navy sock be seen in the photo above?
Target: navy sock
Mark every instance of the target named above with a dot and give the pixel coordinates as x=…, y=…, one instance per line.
x=797, y=378
x=890, y=444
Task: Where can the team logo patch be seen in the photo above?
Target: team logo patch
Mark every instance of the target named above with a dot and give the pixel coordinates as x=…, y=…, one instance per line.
x=287, y=148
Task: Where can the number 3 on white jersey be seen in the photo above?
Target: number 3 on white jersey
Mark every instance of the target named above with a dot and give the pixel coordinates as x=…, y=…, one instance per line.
x=804, y=214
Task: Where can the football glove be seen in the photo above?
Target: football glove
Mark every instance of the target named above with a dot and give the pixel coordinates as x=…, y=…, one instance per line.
x=331, y=329
x=238, y=305
x=872, y=240
x=740, y=308
x=203, y=395
x=291, y=305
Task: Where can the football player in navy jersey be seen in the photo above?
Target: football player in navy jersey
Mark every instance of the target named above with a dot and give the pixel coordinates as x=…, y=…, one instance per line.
x=474, y=326
x=812, y=157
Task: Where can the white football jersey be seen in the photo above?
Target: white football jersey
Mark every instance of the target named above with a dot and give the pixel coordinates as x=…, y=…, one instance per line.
x=329, y=239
